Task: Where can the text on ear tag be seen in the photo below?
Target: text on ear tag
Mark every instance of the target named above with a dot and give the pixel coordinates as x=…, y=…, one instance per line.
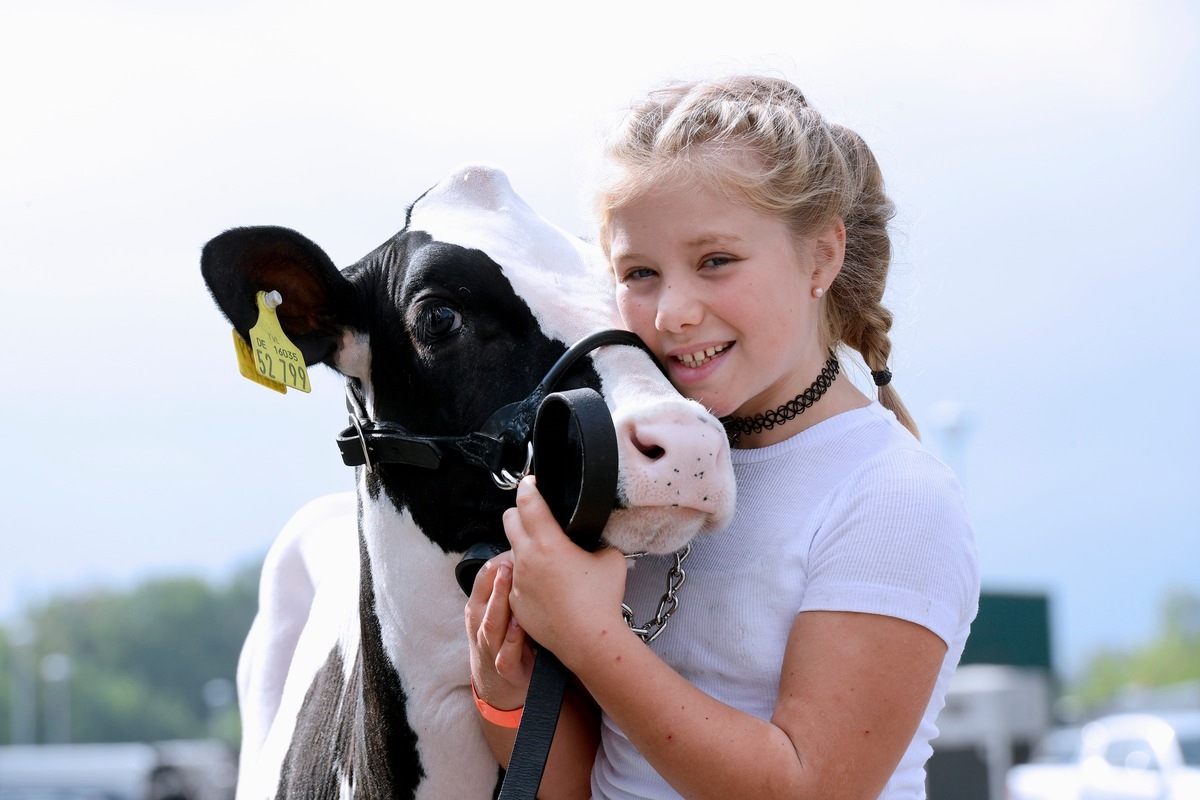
x=246, y=364
x=272, y=357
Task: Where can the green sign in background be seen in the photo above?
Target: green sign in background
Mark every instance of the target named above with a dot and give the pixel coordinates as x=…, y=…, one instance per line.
x=1011, y=629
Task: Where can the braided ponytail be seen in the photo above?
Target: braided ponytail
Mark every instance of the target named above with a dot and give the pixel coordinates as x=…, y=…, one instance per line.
x=854, y=311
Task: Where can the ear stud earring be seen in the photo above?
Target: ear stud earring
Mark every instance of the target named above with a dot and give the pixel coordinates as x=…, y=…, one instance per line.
x=818, y=292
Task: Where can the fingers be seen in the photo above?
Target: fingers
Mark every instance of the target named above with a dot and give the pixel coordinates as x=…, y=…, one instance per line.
x=481, y=591
x=490, y=621
x=488, y=601
x=531, y=520
x=501, y=655
x=494, y=627
x=532, y=506
x=513, y=659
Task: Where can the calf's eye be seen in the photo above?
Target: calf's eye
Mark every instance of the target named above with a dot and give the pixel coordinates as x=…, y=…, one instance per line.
x=438, y=321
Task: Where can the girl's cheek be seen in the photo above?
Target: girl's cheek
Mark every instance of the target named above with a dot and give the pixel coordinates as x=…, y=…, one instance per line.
x=636, y=313
x=631, y=311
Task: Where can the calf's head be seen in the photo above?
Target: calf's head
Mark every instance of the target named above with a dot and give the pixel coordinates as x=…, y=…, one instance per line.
x=463, y=312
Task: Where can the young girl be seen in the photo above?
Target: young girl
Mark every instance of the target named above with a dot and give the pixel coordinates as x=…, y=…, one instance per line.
x=818, y=632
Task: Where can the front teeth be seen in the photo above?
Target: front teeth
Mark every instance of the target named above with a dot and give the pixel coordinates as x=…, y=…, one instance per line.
x=700, y=357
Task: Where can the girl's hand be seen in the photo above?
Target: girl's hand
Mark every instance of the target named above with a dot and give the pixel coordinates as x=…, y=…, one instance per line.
x=566, y=598
x=501, y=656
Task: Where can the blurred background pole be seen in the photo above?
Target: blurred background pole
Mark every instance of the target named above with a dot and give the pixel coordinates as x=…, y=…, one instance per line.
x=953, y=427
x=219, y=694
x=24, y=685
x=56, y=675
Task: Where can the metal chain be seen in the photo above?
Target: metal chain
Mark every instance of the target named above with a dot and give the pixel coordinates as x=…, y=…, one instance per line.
x=666, y=606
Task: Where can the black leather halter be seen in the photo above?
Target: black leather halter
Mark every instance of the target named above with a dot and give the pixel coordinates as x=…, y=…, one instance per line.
x=503, y=445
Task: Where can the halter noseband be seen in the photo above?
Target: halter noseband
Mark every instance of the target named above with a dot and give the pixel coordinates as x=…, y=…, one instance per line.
x=504, y=440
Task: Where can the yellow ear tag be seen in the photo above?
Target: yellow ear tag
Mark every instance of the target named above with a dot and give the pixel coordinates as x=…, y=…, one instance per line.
x=270, y=359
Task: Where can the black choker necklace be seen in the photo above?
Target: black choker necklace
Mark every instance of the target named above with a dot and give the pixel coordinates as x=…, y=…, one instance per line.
x=736, y=426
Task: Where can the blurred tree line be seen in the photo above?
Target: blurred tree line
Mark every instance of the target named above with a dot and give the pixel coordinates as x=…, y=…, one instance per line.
x=154, y=662
x=158, y=661
x=1171, y=657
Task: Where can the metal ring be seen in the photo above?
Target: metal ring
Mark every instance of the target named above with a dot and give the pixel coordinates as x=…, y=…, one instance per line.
x=506, y=480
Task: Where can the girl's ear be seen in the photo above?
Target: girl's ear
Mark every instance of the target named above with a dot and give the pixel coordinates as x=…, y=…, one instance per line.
x=829, y=251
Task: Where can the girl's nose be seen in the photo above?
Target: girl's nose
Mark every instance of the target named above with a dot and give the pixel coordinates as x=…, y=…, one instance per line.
x=678, y=307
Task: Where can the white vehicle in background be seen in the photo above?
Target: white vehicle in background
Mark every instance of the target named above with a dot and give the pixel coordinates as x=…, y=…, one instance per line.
x=1143, y=756
x=1052, y=772
x=202, y=769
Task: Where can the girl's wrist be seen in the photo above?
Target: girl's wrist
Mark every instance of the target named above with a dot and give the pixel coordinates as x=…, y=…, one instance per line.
x=597, y=649
x=504, y=718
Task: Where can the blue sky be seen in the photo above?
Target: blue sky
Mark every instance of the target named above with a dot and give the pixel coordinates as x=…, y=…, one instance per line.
x=1042, y=156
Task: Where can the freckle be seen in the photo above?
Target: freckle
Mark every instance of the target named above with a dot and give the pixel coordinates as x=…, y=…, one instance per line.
x=670, y=736
x=705, y=499
x=668, y=483
x=676, y=470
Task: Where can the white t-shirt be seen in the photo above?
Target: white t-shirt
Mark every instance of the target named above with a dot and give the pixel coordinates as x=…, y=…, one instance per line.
x=848, y=515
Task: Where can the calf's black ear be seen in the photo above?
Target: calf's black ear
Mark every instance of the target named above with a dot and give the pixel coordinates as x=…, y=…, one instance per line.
x=318, y=302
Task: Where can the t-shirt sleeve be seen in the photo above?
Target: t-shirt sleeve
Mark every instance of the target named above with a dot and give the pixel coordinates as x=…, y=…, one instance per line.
x=896, y=541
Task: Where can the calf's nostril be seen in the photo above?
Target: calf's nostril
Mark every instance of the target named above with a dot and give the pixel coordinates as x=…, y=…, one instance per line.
x=648, y=449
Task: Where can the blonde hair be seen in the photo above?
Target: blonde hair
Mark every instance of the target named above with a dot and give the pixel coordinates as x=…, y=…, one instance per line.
x=756, y=140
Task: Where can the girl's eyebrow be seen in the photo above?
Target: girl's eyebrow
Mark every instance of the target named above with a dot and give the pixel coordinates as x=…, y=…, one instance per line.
x=703, y=240
x=707, y=239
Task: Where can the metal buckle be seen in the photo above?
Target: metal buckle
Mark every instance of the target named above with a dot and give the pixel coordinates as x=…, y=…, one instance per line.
x=362, y=438
x=506, y=480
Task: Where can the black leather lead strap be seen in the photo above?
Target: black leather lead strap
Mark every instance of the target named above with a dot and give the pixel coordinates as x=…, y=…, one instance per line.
x=538, y=721
x=575, y=460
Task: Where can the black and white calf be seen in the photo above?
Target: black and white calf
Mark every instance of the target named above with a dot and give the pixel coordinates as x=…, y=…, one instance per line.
x=354, y=680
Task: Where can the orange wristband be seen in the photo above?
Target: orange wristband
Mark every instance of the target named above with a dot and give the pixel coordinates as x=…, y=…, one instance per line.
x=504, y=719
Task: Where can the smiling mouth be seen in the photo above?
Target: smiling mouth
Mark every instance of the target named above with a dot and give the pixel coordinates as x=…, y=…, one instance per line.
x=700, y=357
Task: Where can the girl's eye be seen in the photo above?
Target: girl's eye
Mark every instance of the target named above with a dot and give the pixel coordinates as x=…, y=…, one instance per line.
x=639, y=273
x=715, y=261
x=437, y=321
